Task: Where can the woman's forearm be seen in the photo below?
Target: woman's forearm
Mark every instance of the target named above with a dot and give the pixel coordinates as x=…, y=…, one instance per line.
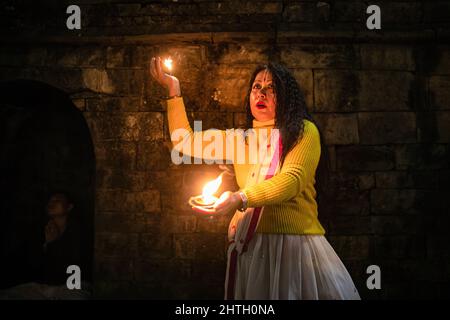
x=184, y=138
x=278, y=189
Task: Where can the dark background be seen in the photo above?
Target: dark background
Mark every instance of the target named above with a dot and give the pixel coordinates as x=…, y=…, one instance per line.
x=382, y=98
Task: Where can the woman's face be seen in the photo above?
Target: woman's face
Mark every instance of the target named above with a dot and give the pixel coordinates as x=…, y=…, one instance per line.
x=262, y=97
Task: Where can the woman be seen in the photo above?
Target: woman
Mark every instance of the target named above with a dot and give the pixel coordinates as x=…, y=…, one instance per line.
x=277, y=245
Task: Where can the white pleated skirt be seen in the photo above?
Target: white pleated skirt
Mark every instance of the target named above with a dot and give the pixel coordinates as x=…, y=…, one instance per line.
x=292, y=267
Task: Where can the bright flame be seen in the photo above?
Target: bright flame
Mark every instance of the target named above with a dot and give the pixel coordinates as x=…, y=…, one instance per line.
x=210, y=188
x=168, y=64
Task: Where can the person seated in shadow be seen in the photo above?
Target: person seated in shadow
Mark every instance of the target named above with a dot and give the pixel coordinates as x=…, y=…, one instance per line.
x=57, y=246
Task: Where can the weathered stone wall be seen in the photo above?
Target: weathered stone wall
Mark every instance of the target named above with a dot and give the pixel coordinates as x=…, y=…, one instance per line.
x=382, y=99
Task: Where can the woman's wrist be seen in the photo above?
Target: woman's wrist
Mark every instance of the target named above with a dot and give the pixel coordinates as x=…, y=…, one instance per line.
x=174, y=89
x=241, y=200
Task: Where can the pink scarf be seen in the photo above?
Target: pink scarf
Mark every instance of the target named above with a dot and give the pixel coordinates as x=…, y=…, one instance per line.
x=243, y=226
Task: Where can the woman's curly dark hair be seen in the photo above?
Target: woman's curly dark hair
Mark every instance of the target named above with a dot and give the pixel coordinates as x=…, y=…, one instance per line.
x=290, y=112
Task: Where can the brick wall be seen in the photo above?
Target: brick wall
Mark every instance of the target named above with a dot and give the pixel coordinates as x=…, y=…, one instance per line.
x=382, y=99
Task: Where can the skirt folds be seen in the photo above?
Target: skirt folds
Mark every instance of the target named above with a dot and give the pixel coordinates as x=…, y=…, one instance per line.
x=292, y=267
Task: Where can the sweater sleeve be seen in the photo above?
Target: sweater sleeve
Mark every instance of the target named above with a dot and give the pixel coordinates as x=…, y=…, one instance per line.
x=297, y=171
x=209, y=145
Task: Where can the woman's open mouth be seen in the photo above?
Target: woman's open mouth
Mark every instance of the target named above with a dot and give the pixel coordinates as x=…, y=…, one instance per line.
x=261, y=105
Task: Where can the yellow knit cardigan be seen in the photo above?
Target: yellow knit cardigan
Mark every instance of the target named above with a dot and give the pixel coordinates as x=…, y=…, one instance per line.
x=289, y=198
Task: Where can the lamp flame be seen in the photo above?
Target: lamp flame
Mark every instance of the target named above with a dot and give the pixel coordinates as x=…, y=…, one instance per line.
x=210, y=188
x=168, y=63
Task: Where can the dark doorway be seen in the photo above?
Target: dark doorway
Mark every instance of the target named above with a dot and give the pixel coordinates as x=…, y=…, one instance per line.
x=45, y=146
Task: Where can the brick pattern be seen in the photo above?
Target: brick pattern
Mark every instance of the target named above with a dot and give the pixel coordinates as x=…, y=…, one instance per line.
x=383, y=107
x=134, y=17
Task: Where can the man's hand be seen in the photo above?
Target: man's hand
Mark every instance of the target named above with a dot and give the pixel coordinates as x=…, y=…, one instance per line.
x=228, y=203
x=51, y=232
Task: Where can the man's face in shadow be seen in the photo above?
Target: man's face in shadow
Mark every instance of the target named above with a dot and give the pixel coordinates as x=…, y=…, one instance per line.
x=58, y=205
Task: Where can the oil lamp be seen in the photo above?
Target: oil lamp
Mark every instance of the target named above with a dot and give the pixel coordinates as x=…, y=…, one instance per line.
x=207, y=199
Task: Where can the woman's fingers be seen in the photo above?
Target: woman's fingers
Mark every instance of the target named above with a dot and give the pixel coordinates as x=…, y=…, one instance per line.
x=203, y=210
x=160, y=70
x=157, y=71
x=154, y=70
x=152, y=67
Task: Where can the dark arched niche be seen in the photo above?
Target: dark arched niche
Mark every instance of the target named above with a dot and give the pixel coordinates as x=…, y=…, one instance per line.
x=45, y=146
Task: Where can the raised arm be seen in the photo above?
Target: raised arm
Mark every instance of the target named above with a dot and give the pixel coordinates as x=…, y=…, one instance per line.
x=209, y=145
x=297, y=171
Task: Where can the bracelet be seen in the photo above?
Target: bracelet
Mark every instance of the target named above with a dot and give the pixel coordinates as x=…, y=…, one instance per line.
x=244, y=201
x=171, y=97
